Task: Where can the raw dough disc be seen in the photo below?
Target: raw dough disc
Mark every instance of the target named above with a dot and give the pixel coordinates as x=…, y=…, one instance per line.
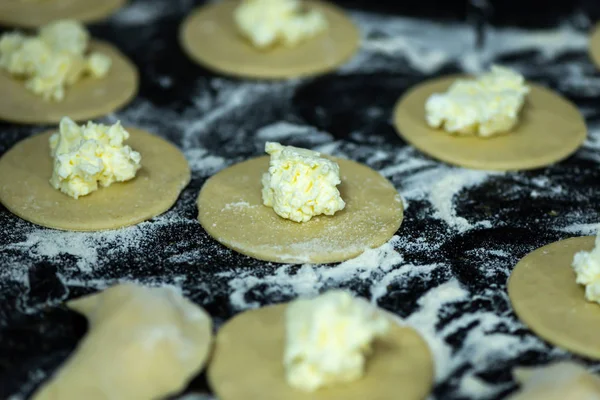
x=247, y=363
x=87, y=99
x=25, y=171
x=231, y=211
x=210, y=37
x=550, y=129
x=545, y=297
x=32, y=14
x=595, y=46
x=142, y=343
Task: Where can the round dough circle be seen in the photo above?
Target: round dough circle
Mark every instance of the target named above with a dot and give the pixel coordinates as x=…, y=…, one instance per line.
x=87, y=99
x=545, y=297
x=25, y=171
x=29, y=14
x=595, y=45
x=231, y=211
x=550, y=129
x=210, y=37
x=247, y=363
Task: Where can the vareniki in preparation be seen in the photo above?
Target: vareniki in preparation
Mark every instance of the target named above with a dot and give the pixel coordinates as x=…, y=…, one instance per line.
x=495, y=121
x=59, y=72
x=270, y=39
x=333, y=346
x=299, y=206
x=554, y=291
x=91, y=177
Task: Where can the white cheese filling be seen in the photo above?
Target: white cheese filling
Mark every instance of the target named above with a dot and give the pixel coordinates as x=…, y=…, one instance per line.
x=587, y=269
x=300, y=184
x=270, y=22
x=485, y=106
x=52, y=60
x=90, y=155
x=328, y=339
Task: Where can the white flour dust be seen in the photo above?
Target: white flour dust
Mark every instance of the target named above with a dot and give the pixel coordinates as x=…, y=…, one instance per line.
x=243, y=115
x=427, y=46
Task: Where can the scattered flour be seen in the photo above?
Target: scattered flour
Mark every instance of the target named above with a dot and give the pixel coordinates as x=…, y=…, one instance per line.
x=220, y=106
x=428, y=45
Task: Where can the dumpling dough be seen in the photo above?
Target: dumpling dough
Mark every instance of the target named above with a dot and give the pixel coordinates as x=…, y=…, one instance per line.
x=231, y=210
x=247, y=363
x=25, y=190
x=87, y=99
x=210, y=37
x=559, y=381
x=142, y=343
x=34, y=13
x=549, y=129
x=545, y=296
x=594, y=44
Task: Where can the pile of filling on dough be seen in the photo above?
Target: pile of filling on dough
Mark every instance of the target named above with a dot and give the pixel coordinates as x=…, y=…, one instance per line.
x=328, y=339
x=300, y=184
x=587, y=269
x=88, y=155
x=486, y=106
x=52, y=60
x=270, y=22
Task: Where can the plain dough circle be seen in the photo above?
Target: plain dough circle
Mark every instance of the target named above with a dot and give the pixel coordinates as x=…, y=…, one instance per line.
x=142, y=343
x=210, y=37
x=545, y=297
x=595, y=45
x=32, y=14
x=550, y=129
x=25, y=190
x=231, y=211
x=247, y=363
x=87, y=99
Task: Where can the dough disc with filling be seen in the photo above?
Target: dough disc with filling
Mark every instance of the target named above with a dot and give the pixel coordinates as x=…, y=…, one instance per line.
x=32, y=14
x=87, y=99
x=247, y=363
x=550, y=129
x=595, y=46
x=210, y=37
x=545, y=297
x=231, y=211
x=25, y=190
x=142, y=343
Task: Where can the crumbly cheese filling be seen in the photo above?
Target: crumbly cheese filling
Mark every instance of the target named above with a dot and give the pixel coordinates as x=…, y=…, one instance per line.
x=300, y=184
x=52, y=60
x=587, y=270
x=270, y=22
x=485, y=106
x=328, y=339
x=88, y=155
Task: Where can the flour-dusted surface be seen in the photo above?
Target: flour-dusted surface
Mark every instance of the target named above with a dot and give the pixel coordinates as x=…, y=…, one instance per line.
x=444, y=271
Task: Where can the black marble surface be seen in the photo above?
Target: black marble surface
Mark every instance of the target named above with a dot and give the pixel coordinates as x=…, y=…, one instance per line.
x=446, y=270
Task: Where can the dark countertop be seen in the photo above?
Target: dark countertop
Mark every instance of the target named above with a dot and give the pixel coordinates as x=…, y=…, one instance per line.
x=464, y=230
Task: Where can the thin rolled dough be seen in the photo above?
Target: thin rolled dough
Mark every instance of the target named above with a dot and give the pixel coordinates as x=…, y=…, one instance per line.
x=595, y=45
x=545, y=297
x=25, y=189
x=210, y=37
x=563, y=380
x=550, y=129
x=247, y=363
x=230, y=209
x=87, y=99
x=142, y=343
x=32, y=14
